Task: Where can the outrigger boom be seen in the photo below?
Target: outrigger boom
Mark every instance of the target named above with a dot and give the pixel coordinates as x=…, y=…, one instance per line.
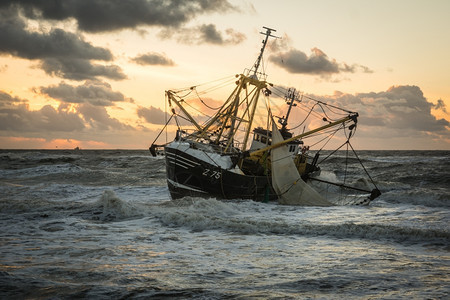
x=351, y=117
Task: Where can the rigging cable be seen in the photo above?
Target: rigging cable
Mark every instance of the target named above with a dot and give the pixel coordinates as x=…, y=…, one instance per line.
x=365, y=170
x=163, y=129
x=201, y=84
x=327, y=137
x=201, y=100
x=307, y=116
x=330, y=105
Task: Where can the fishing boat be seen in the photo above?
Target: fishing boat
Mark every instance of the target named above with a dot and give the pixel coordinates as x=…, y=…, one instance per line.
x=238, y=148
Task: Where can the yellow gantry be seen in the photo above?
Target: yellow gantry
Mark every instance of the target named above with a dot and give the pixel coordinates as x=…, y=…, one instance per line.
x=343, y=120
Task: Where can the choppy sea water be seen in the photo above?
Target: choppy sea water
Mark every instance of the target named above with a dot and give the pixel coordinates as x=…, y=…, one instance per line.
x=101, y=224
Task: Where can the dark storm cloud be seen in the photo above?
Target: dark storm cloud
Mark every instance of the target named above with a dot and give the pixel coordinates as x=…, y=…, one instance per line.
x=80, y=69
x=17, y=41
x=153, y=58
x=153, y=115
x=60, y=53
x=402, y=108
x=110, y=15
x=318, y=63
x=68, y=55
x=97, y=93
x=203, y=34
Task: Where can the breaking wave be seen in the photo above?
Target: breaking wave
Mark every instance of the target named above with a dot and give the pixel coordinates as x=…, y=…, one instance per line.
x=199, y=214
x=115, y=209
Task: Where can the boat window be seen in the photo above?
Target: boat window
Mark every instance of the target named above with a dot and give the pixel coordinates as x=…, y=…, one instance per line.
x=256, y=137
x=263, y=139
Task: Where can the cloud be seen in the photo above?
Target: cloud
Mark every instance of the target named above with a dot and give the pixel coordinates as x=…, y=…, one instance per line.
x=18, y=41
x=66, y=121
x=57, y=43
x=98, y=118
x=97, y=93
x=111, y=15
x=397, y=116
x=402, y=110
x=156, y=116
x=153, y=58
x=20, y=119
x=68, y=55
x=60, y=53
x=203, y=34
x=440, y=105
x=209, y=34
x=296, y=61
x=153, y=115
x=317, y=63
x=80, y=69
x=6, y=100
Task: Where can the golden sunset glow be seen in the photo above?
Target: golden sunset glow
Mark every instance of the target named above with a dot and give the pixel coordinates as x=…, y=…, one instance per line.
x=96, y=81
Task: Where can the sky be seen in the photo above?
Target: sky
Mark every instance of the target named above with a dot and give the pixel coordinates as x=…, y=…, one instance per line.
x=92, y=73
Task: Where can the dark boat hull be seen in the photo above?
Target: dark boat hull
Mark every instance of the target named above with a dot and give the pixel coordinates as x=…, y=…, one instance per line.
x=188, y=175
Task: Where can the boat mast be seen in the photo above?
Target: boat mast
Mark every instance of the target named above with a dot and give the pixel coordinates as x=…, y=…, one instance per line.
x=258, y=60
x=252, y=79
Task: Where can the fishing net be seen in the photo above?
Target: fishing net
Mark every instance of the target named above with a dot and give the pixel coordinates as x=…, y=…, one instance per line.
x=286, y=180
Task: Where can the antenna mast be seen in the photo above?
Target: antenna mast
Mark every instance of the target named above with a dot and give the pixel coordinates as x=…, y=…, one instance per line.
x=258, y=60
x=291, y=96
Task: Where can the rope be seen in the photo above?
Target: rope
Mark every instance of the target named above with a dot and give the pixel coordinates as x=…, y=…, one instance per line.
x=307, y=116
x=201, y=100
x=367, y=173
x=163, y=129
x=329, y=105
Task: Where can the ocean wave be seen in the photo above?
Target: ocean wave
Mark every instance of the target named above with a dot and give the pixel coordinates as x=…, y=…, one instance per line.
x=199, y=214
x=41, y=170
x=415, y=196
x=112, y=208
